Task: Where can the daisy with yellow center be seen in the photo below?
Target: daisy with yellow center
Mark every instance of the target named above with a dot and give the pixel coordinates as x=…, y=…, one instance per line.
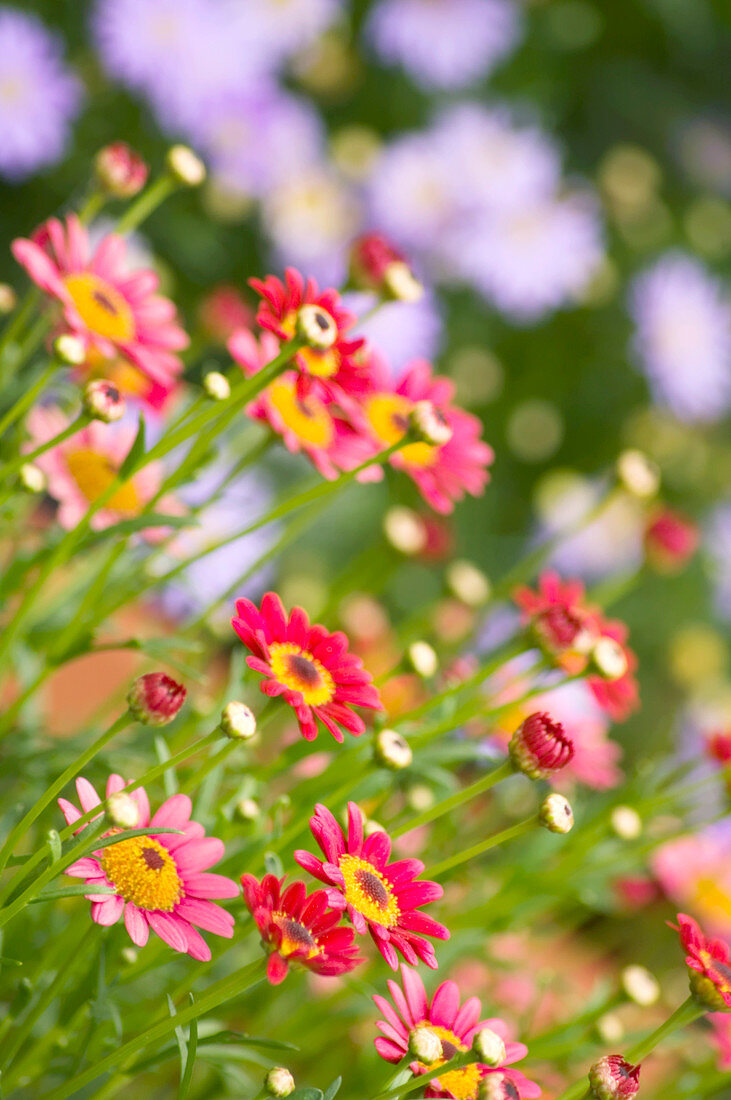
x=306, y=417
x=102, y=309
x=461, y=1083
x=300, y=671
x=382, y=898
x=159, y=881
x=388, y=416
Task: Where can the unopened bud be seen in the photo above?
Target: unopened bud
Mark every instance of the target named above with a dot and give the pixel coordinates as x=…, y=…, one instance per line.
x=155, y=699
x=185, y=166
x=468, y=583
x=626, y=822
x=640, y=985
x=496, y=1086
x=120, y=171
x=392, y=750
x=400, y=283
x=556, y=814
x=540, y=747
x=8, y=298
x=238, y=721
x=69, y=350
x=376, y=264
x=103, y=401
x=423, y=659
x=316, y=327
x=610, y=659
x=217, y=386
x=613, y=1078
x=130, y=955
x=248, y=809
x=429, y=425
x=489, y=1047
x=32, y=478
x=123, y=811
x=279, y=1082
x=425, y=1045
x=638, y=474
x=405, y=530
x=610, y=1028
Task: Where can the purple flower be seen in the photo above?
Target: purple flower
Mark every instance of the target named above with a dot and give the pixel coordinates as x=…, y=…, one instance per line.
x=718, y=545
x=444, y=43
x=401, y=331
x=284, y=27
x=683, y=336
x=39, y=96
x=532, y=259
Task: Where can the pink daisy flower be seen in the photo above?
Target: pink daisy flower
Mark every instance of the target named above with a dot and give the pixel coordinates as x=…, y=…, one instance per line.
x=709, y=962
x=307, y=665
x=443, y=474
x=380, y=897
x=123, y=322
x=297, y=928
x=83, y=466
x=332, y=366
x=619, y=697
x=308, y=422
x=455, y=1025
x=559, y=619
x=161, y=881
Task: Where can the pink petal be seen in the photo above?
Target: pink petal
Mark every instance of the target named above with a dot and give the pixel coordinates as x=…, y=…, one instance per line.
x=170, y=930
x=199, y=855
x=206, y=915
x=136, y=925
x=207, y=885
x=174, y=813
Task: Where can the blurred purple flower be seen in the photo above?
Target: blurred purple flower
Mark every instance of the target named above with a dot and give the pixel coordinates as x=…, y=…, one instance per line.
x=533, y=259
x=718, y=546
x=683, y=336
x=444, y=43
x=282, y=28
x=39, y=96
x=401, y=331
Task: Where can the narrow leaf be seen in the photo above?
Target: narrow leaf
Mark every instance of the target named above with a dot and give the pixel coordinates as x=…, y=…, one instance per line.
x=136, y=450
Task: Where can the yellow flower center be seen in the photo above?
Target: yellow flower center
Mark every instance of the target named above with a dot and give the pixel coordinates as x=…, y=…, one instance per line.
x=461, y=1083
x=711, y=899
x=124, y=375
x=368, y=891
x=320, y=362
x=388, y=416
x=101, y=307
x=143, y=872
x=94, y=473
x=295, y=937
x=300, y=671
x=306, y=417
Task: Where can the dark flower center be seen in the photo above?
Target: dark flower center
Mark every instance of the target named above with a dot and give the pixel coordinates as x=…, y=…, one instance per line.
x=304, y=670
x=296, y=933
x=373, y=888
x=153, y=859
x=101, y=299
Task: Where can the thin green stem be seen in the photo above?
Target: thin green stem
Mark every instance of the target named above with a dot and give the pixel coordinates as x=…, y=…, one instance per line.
x=685, y=1014
x=74, y=427
x=504, y=771
x=511, y=833
x=145, y=203
x=24, y=403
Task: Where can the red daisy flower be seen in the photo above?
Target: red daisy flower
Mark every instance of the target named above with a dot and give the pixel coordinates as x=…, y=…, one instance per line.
x=130, y=332
x=710, y=965
x=298, y=307
x=455, y=1025
x=310, y=667
x=306, y=422
x=619, y=696
x=559, y=620
x=380, y=897
x=443, y=474
x=671, y=540
x=297, y=928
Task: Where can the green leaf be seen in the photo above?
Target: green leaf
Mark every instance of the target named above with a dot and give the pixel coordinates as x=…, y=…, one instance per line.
x=136, y=451
x=273, y=864
x=53, y=840
x=306, y=1094
x=190, y=1060
x=52, y=893
x=138, y=523
x=332, y=1090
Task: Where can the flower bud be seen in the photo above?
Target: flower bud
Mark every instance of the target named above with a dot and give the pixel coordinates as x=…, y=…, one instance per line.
x=540, y=747
x=489, y=1047
x=496, y=1086
x=609, y=658
x=391, y=750
x=671, y=540
x=638, y=474
x=8, y=298
x=556, y=814
x=626, y=822
x=120, y=171
x=185, y=167
x=103, y=401
x=279, y=1082
x=423, y=659
x=130, y=955
x=610, y=1028
x=612, y=1078
x=248, y=809
x=405, y=530
x=238, y=721
x=316, y=327
x=425, y=1045
x=376, y=264
x=217, y=386
x=429, y=425
x=400, y=284
x=69, y=350
x=468, y=583
x=718, y=746
x=155, y=699
x=122, y=810
x=32, y=478
x=640, y=985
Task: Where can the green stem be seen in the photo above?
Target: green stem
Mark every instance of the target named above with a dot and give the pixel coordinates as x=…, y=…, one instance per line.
x=504, y=771
x=35, y=811
x=75, y=426
x=220, y=992
x=513, y=831
x=146, y=203
x=24, y=403
x=94, y=204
